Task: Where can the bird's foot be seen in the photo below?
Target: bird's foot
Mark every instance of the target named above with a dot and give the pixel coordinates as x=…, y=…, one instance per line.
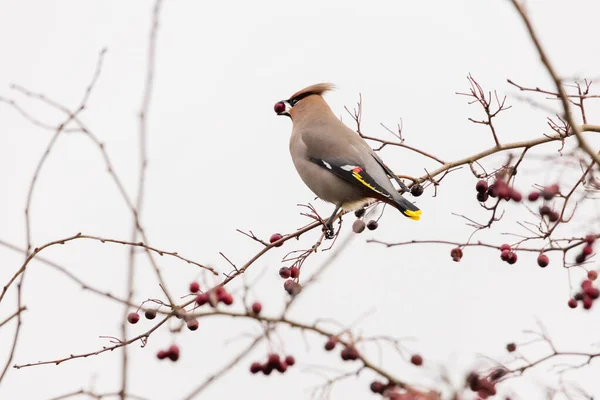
x=329, y=231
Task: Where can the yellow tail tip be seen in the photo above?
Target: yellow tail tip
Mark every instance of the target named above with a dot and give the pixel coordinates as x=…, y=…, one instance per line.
x=415, y=215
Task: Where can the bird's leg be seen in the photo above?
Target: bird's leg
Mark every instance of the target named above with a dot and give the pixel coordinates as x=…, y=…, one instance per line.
x=328, y=227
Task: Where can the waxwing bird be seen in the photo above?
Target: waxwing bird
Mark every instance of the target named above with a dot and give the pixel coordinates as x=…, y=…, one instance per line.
x=334, y=161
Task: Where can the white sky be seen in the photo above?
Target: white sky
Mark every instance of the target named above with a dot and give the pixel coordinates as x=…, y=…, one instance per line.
x=219, y=161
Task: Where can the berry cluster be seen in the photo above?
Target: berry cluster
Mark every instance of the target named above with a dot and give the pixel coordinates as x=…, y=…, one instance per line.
x=485, y=386
x=274, y=362
x=359, y=225
x=390, y=391
x=172, y=353
x=506, y=254
x=548, y=193
x=214, y=296
x=497, y=189
x=289, y=272
x=587, y=295
x=348, y=353
x=587, y=250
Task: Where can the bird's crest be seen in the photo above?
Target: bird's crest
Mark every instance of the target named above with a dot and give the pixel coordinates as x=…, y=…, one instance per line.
x=318, y=88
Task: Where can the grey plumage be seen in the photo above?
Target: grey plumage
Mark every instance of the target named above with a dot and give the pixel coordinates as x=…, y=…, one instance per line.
x=334, y=161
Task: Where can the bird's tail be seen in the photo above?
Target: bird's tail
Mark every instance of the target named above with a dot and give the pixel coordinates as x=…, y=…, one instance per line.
x=407, y=208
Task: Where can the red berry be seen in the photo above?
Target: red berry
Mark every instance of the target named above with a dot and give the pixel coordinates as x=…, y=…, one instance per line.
x=493, y=191
x=590, y=239
x=194, y=287
x=275, y=237
x=587, y=250
x=372, y=225
x=377, y=387
x=533, y=196
x=290, y=360
x=294, y=272
x=592, y=275
x=416, y=360
x=220, y=292
x=330, y=344
x=473, y=381
x=267, y=369
x=358, y=226
x=505, y=247
x=284, y=272
x=416, y=190
x=456, y=254
x=255, y=367
x=133, y=318
x=586, y=284
x=349, y=353
x=572, y=303
x=256, y=307
x=192, y=324
x=580, y=258
x=150, y=314
x=202, y=299
x=279, y=107
x=592, y=292
x=516, y=196
x=512, y=258
x=505, y=255
x=497, y=374
x=481, y=186
x=293, y=288
x=578, y=296
x=161, y=355
x=281, y=367
x=273, y=359
x=543, y=260
x=173, y=352
x=482, y=197
x=553, y=216
x=545, y=210
x=549, y=192
x=587, y=302
x=511, y=347
x=227, y=299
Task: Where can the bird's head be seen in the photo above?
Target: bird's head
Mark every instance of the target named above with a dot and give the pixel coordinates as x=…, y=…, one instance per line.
x=286, y=107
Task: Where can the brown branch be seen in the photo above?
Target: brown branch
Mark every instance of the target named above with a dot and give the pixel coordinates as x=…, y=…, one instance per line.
x=37, y=250
x=7, y=319
x=97, y=396
x=121, y=343
x=564, y=98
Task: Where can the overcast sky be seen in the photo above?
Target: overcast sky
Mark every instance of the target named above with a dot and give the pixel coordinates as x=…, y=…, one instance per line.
x=219, y=160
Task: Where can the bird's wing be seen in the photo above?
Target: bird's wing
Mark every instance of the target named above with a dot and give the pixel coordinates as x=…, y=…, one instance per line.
x=390, y=172
x=354, y=173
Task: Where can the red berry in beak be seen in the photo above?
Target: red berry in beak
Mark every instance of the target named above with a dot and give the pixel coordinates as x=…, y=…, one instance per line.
x=279, y=107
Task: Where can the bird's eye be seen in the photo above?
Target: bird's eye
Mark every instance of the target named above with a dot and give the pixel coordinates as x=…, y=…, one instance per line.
x=279, y=107
x=293, y=102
